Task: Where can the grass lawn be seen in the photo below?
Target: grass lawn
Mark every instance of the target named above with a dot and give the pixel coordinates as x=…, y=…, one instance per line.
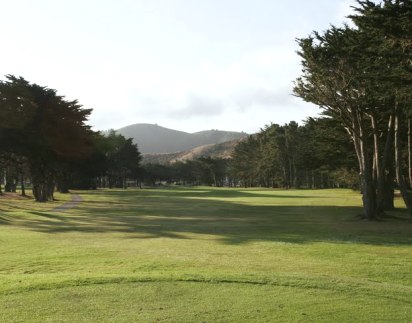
x=204, y=255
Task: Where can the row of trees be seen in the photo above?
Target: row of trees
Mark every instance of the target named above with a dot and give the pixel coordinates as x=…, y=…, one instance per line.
x=201, y=171
x=44, y=138
x=315, y=155
x=362, y=77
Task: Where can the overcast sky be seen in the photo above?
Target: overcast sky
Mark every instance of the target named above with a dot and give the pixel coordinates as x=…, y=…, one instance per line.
x=189, y=65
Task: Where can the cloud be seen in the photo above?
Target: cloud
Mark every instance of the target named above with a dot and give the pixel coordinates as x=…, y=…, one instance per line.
x=263, y=98
x=255, y=87
x=198, y=107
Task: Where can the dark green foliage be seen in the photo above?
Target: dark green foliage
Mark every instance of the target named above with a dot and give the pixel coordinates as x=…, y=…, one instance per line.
x=123, y=159
x=45, y=137
x=44, y=129
x=200, y=171
x=362, y=77
x=295, y=156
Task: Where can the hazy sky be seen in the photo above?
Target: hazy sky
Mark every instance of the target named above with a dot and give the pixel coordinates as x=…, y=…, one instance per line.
x=184, y=64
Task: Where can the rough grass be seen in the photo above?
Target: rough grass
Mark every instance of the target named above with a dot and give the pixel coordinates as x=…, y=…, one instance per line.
x=204, y=255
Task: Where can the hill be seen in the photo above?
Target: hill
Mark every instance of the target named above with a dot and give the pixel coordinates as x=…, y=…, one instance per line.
x=218, y=136
x=222, y=150
x=154, y=139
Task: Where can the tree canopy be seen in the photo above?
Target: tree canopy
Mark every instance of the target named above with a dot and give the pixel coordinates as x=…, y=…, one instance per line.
x=362, y=77
x=45, y=137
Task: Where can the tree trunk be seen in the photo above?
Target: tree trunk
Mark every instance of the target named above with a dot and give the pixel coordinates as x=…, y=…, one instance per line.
x=8, y=186
x=398, y=168
x=389, y=194
x=43, y=184
x=313, y=184
x=295, y=175
x=368, y=188
x=214, y=178
x=389, y=185
x=384, y=186
x=366, y=169
x=377, y=169
x=39, y=191
x=63, y=186
x=124, y=181
x=63, y=183
x=410, y=153
x=23, y=188
x=368, y=196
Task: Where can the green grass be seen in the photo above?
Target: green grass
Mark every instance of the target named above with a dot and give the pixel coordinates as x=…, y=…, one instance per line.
x=204, y=255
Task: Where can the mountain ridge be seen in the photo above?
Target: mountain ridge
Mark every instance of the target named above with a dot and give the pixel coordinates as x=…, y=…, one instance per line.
x=222, y=150
x=155, y=139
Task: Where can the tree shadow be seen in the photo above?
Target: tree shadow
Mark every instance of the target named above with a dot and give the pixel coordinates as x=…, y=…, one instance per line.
x=60, y=218
x=210, y=193
x=181, y=215
x=4, y=220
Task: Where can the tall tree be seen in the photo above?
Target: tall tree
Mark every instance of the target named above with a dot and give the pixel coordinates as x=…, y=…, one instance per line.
x=123, y=159
x=391, y=23
x=362, y=77
x=43, y=127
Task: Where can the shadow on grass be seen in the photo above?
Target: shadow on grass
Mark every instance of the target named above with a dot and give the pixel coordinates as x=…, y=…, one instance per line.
x=50, y=216
x=4, y=220
x=210, y=193
x=181, y=214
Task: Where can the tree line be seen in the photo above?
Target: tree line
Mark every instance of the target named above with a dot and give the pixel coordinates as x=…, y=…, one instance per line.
x=314, y=155
x=317, y=154
x=200, y=171
x=44, y=140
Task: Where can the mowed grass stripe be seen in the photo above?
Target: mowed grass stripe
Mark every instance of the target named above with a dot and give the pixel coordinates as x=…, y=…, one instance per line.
x=194, y=302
